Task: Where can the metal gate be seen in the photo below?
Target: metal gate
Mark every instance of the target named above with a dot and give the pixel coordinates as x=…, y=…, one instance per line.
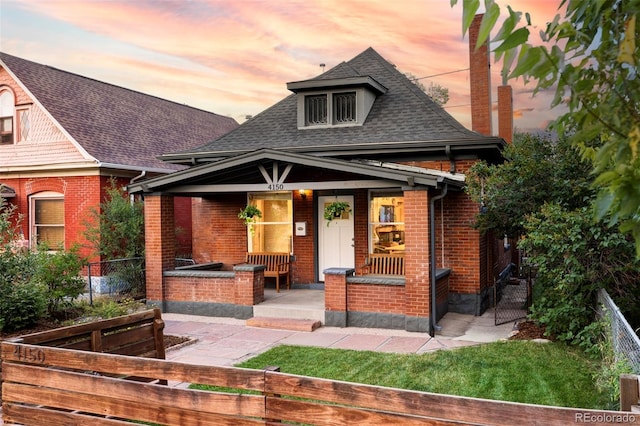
x=511, y=297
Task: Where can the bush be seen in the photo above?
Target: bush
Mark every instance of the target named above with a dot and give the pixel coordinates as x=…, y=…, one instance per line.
x=21, y=305
x=575, y=257
x=59, y=274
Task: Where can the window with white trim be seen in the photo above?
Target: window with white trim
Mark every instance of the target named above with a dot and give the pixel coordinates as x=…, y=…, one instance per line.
x=7, y=106
x=47, y=219
x=274, y=230
x=386, y=222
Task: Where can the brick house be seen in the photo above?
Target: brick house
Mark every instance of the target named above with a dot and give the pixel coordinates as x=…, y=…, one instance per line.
x=64, y=136
x=360, y=133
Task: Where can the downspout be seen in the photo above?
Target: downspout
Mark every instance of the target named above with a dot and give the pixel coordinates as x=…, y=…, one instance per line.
x=433, y=327
x=133, y=179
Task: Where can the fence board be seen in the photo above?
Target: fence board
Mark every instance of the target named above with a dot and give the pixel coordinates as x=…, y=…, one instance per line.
x=131, y=366
x=141, y=409
x=454, y=408
x=322, y=414
x=75, y=388
x=38, y=416
x=72, y=331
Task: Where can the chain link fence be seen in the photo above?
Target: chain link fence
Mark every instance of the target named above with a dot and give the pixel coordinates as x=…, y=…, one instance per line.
x=626, y=343
x=121, y=277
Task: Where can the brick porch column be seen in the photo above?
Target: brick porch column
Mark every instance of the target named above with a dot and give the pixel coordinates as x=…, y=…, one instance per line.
x=335, y=296
x=249, y=284
x=160, y=244
x=417, y=259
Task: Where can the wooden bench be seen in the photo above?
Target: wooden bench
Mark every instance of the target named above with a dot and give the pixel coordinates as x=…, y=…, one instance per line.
x=276, y=265
x=384, y=264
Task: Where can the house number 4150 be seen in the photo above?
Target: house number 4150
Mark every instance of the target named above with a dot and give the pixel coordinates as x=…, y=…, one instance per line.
x=29, y=354
x=276, y=187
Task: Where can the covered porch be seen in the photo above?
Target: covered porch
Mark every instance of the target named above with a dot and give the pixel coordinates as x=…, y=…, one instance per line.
x=331, y=253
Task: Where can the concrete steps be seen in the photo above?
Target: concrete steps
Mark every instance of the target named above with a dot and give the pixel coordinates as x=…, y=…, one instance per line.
x=284, y=323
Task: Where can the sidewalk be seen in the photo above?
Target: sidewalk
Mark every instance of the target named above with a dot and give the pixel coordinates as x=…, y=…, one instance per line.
x=227, y=341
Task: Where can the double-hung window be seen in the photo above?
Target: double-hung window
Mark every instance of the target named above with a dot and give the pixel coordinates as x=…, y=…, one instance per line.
x=47, y=219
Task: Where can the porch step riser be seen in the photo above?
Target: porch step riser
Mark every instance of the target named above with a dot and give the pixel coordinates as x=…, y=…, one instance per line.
x=288, y=312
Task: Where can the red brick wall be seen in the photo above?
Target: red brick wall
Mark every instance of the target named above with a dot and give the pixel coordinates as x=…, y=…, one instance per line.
x=160, y=242
x=219, y=235
x=376, y=298
x=198, y=289
x=302, y=269
x=81, y=193
x=183, y=216
x=417, y=261
x=463, y=244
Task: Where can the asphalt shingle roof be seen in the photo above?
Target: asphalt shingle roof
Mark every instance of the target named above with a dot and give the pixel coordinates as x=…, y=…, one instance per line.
x=117, y=125
x=404, y=114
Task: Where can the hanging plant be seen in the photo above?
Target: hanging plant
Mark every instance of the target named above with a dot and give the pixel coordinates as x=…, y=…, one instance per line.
x=250, y=214
x=335, y=210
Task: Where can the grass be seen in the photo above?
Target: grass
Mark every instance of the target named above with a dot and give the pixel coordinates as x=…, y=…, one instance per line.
x=518, y=371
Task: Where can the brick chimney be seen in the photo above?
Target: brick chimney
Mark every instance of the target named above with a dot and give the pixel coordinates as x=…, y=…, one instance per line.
x=480, y=81
x=505, y=113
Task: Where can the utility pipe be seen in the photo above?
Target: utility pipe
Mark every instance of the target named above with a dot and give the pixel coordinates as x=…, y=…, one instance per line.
x=433, y=327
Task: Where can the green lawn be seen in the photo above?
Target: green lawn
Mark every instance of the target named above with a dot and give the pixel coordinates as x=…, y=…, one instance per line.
x=519, y=371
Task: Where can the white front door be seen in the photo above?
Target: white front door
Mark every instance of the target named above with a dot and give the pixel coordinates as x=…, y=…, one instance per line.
x=335, y=237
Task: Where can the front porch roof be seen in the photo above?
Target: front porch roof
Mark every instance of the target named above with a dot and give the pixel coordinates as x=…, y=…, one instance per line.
x=269, y=170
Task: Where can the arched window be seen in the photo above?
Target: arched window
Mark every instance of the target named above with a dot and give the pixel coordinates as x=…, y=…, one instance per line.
x=6, y=117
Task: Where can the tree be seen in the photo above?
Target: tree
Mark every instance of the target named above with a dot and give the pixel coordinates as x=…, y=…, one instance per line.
x=590, y=56
x=537, y=170
x=439, y=94
x=116, y=230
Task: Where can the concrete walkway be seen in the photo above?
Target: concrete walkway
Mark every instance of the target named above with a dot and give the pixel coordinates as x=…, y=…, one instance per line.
x=226, y=341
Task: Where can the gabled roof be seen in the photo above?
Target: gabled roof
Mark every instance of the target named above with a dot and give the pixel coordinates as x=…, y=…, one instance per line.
x=116, y=126
x=290, y=171
x=403, y=120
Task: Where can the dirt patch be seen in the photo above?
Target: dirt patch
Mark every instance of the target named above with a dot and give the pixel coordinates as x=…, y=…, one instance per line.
x=529, y=330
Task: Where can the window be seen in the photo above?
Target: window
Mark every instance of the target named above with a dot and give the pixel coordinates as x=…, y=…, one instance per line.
x=273, y=231
x=47, y=219
x=344, y=107
x=386, y=222
x=330, y=109
x=316, y=109
x=6, y=117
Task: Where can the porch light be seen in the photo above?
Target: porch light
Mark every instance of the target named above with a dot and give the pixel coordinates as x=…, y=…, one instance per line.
x=303, y=193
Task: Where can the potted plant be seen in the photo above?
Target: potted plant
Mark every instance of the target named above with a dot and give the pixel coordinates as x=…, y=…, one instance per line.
x=250, y=214
x=335, y=210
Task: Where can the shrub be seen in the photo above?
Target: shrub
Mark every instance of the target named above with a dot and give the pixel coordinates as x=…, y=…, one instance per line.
x=21, y=305
x=59, y=274
x=575, y=257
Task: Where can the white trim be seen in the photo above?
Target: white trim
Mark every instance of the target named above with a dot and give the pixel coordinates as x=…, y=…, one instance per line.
x=35, y=100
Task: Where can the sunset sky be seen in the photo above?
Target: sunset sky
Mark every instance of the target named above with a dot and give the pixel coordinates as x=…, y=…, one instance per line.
x=234, y=57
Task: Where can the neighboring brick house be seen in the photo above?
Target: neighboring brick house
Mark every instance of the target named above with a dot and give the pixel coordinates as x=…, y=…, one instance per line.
x=361, y=133
x=64, y=136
